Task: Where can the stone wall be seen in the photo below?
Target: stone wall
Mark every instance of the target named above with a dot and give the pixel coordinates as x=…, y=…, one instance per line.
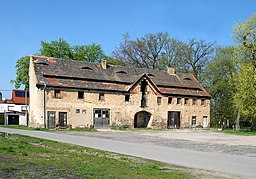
x=122, y=113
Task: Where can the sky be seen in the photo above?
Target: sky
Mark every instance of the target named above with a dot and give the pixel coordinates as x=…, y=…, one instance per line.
x=25, y=23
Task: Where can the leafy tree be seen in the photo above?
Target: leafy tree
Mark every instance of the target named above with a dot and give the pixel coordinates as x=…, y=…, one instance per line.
x=22, y=77
x=89, y=53
x=218, y=78
x=58, y=49
x=245, y=35
x=245, y=96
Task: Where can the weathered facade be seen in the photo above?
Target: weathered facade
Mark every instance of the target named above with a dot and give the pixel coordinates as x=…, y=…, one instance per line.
x=67, y=93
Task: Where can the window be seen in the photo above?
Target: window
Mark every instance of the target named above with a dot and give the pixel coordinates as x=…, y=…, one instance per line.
x=77, y=110
x=178, y=100
x=84, y=111
x=127, y=97
x=101, y=97
x=121, y=72
x=87, y=68
x=150, y=74
x=169, y=100
x=194, y=102
x=193, y=121
x=80, y=95
x=187, y=79
x=23, y=108
x=186, y=101
x=202, y=102
x=57, y=94
x=159, y=100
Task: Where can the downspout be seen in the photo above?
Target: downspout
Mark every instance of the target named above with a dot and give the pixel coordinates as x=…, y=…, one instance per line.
x=44, y=106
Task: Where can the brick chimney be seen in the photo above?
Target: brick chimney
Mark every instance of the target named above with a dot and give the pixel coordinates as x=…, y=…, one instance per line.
x=104, y=63
x=171, y=71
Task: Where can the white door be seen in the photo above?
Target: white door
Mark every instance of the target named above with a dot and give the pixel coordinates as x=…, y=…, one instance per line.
x=204, y=121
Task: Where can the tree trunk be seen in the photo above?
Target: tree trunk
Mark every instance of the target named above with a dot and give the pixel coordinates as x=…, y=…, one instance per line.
x=238, y=119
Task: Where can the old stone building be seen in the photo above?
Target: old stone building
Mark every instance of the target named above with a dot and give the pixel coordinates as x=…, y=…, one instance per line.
x=67, y=93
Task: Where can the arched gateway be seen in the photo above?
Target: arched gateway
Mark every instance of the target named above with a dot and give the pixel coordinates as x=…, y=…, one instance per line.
x=141, y=119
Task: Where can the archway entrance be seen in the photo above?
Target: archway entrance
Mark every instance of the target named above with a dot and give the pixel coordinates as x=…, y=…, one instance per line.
x=141, y=119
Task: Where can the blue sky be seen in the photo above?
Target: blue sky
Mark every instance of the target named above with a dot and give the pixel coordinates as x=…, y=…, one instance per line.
x=24, y=24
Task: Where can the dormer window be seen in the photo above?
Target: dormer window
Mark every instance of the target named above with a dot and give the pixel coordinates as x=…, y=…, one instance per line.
x=187, y=79
x=42, y=63
x=150, y=74
x=87, y=68
x=121, y=72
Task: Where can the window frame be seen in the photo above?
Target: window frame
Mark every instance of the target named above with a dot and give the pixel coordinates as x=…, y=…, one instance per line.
x=57, y=93
x=169, y=100
x=80, y=95
x=127, y=98
x=101, y=96
x=159, y=100
x=179, y=102
x=194, y=101
x=203, y=102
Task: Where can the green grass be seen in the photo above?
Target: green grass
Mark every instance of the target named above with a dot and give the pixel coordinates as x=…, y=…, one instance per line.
x=240, y=132
x=28, y=157
x=45, y=129
x=25, y=127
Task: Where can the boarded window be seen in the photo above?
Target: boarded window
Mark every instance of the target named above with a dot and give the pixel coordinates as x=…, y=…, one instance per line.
x=202, y=102
x=80, y=95
x=159, y=100
x=169, y=100
x=57, y=94
x=102, y=96
x=194, y=102
x=186, y=101
x=127, y=97
x=178, y=100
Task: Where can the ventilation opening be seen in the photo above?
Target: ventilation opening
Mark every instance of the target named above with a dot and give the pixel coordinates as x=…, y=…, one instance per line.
x=42, y=63
x=121, y=72
x=187, y=79
x=87, y=68
x=150, y=74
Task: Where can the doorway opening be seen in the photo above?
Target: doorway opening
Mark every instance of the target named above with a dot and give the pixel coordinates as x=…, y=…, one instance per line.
x=173, y=120
x=141, y=119
x=101, y=118
x=62, y=119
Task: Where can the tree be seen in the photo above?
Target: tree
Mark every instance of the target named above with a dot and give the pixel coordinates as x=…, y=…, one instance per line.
x=174, y=55
x=143, y=52
x=245, y=35
x=89, y=53
x=22, y=69
x=245, y=96
x=218, y=78
x=58, y=49
x=198, y=54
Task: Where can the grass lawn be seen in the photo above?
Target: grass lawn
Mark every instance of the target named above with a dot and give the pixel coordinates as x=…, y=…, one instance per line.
x=28, y=157
x=24, y=127
x=45, y=129
x=240, y=132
